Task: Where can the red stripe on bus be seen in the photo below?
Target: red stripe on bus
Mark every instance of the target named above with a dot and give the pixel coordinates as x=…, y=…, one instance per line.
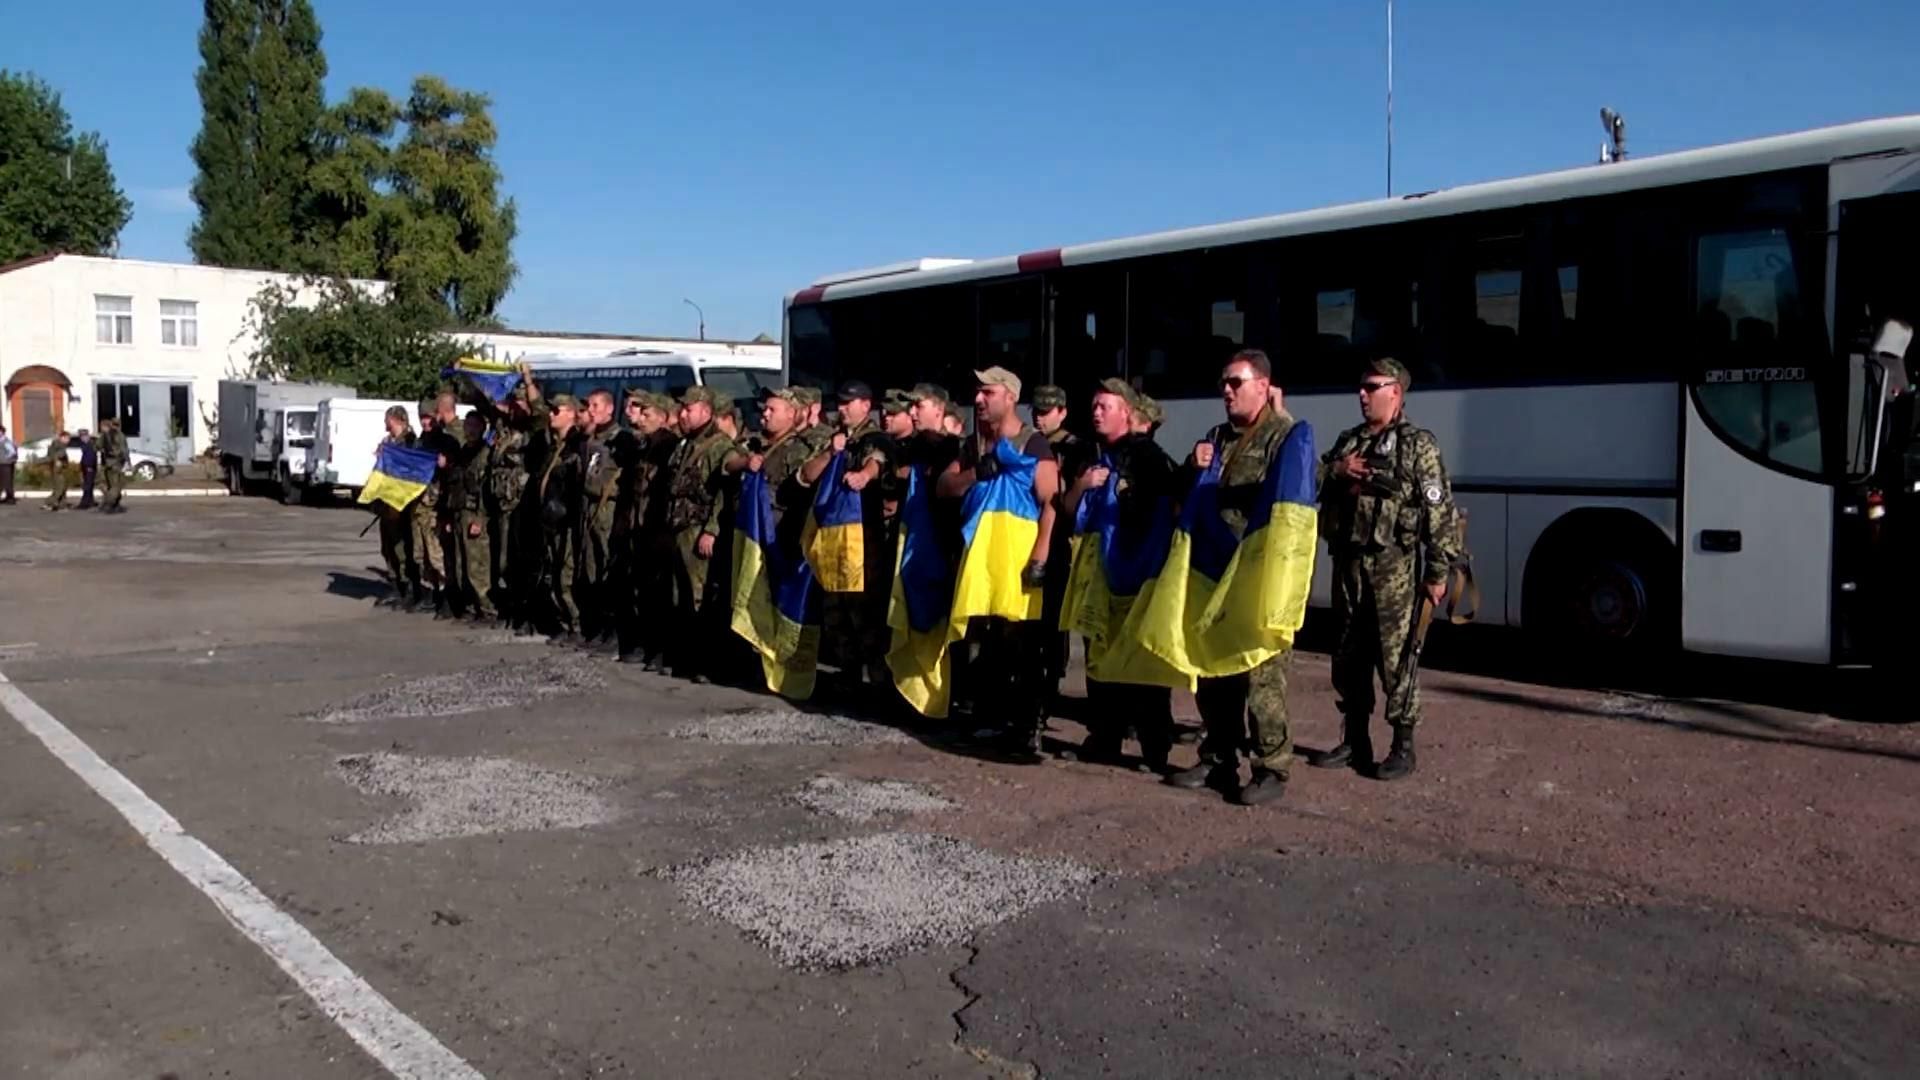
x=810, y=295
x=1040, y=260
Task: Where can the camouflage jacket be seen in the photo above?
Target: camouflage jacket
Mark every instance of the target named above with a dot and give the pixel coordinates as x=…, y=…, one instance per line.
x=113, y=449
x=508, y=465
x=600, y=467
x=693, y=482
x=643, y=463
x=561, y=489
x=1406, y=506
x=781, y=467
x=470, y=469
x=1244, y=457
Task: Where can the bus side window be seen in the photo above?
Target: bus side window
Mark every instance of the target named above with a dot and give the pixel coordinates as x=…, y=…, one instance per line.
x=1756, y=368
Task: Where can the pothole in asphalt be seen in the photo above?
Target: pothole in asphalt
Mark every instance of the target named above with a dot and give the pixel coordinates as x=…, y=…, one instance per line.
x=494, y=686
x=786, y=727
x=455, y=797
x=864, y=800
x=867, y=899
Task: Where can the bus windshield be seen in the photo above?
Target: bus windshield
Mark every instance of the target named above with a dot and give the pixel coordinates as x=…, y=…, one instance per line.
x=741, y=384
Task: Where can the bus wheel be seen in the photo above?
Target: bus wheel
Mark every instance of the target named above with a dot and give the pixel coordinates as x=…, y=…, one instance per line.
x=1603, y=593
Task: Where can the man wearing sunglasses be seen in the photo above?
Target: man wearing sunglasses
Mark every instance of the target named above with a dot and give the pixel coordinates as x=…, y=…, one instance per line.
x=1387, y=513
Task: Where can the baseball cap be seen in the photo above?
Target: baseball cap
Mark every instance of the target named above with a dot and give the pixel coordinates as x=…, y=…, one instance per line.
x=1392, y=369
x=999, y=376
x=557, y=401
x=805, y=395
x=1116, y=386
x=1048, y=397
x=855, y=390
x=700, y=395
x=895, y=400
x=925, y=390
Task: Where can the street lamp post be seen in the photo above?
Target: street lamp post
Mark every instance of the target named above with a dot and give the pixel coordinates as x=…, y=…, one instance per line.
x=701, y=314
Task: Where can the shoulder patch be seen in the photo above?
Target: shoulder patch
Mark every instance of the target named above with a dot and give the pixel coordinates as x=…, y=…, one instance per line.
x=1433, y=494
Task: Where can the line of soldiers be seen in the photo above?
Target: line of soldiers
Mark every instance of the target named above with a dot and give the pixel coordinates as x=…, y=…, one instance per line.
x=553, y=516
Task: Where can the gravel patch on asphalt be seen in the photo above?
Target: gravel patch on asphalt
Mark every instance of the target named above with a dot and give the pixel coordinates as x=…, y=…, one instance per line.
x=504, y=637
x=455, y=797
x=867, y=899
x=864, y=800
x=494, y=686
x=787, y=727
x=1636, y=707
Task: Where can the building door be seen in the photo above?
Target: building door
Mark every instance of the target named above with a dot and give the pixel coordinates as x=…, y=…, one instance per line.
x=36, y=413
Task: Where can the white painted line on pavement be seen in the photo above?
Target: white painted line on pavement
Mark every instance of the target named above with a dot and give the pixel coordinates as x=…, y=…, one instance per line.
x=389, y=1036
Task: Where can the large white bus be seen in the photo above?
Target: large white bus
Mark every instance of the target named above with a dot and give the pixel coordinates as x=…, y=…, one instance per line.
x=1650, y=379
x=659, y=370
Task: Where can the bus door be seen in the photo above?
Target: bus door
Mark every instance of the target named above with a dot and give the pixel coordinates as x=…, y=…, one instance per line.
x=1757, y=499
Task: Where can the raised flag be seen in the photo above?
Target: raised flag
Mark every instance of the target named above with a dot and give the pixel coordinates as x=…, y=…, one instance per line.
x=400, y=474
x=775, y=600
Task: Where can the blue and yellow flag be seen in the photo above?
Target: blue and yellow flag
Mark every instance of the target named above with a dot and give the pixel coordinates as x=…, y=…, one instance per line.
x=494, y=378
x=835, y=540
x=922, y=598
x=775, y=606
x=1112, y=565
x=999, y=522
x=1225, y=604
x=399, y=475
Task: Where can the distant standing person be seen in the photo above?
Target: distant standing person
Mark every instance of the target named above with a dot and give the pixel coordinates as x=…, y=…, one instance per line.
x=114, y=459
x=89, y=466
x=56, y=460
x=9, y=457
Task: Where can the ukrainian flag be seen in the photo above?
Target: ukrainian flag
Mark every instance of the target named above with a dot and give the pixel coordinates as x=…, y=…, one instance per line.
x=1225, y=604
x=494, y=378
x=922, y=598
x=399, y=475
x=775, y=605
x=1112, y=565
x=835, y=540
x=999, y=522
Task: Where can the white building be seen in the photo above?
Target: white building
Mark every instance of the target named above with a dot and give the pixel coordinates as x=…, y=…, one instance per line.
x=83, y=338
x=514, y=344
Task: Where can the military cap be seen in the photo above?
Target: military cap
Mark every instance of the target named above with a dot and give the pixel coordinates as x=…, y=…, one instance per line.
x=925, y=390
x=562, y=401
x=636, y=396
x=700, y=395
x=999, y=376
x=1392, y=369
x=427, y=406
x=791, y=395
x=662, y=401
x=1115, y=386
x=895, y=400
x=1047, y=398
x=806, y=395
x=855, y=390
x=1150, y=410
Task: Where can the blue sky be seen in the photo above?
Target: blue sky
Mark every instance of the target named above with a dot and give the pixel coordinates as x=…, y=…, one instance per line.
x=731, y=152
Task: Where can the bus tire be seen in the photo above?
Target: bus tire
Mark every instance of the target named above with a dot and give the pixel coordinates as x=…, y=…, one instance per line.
x=1603, y=585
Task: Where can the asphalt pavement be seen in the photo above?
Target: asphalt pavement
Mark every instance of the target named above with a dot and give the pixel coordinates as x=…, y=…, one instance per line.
x=251, y=825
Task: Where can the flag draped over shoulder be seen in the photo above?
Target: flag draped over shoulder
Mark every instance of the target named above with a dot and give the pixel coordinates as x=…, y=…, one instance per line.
x=835, y=539
x=1112, y=566
x=494, y=378
x=1225, y=604
x=775, y=602
x=399, y=475
x=922, y=598
x=999, y=522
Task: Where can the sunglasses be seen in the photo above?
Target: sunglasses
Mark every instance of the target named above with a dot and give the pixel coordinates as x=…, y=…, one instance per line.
x=1235, y=382
x=1375, y=387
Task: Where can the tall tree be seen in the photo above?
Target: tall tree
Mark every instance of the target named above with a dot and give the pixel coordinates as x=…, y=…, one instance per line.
x=260, y=73
x=57, y=192
x=410, y=194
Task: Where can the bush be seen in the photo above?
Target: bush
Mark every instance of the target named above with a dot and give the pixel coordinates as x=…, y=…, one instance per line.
x=39, y=474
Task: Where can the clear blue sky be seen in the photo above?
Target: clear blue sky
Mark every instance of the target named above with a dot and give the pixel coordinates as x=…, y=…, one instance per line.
x=730, y=152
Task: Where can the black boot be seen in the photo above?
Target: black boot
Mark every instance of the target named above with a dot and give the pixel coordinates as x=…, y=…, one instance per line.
x=1355, y=749
x=1266, y=786
x=413, y=598
x=1399, y=760
x=1221, y=776
x=442, y=606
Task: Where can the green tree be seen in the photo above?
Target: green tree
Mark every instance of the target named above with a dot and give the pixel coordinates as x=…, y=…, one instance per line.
x=329, y=330
x=410, y=194
x=57, y=192
x=260, y=95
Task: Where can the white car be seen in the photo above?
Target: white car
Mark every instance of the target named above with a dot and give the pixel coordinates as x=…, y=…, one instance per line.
x=144, y=466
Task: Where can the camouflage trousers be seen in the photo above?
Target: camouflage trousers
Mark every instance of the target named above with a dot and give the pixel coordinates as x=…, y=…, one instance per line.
x=1248, y=712
x=428, y=557
x=475, y=570
x=562, y=546
x=1373, y=595
x=594, y=596
x=116, y=486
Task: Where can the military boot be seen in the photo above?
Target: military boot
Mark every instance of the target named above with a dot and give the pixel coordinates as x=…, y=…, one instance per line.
x=1355, y=749
x=414, y=595
x=1221, y=776
x=1399, y=760
x=1266, y=786
x=442, y=606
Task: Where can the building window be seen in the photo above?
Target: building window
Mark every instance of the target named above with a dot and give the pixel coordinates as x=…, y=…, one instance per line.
x=180, y=412
x=179, y=323
x=113, y=320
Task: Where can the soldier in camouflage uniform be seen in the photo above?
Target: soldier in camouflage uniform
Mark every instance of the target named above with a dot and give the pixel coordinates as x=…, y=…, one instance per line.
x=846, y=639
x=1388, y=517
x=782, y=461
x=474, y=570
x=1050, y=419
x=604, y=444
x=432, y=515
x=114, y=459
x=643, y=591
x=693, y=527
x=1244, y=712
x=513, y=531
x=558, y=497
